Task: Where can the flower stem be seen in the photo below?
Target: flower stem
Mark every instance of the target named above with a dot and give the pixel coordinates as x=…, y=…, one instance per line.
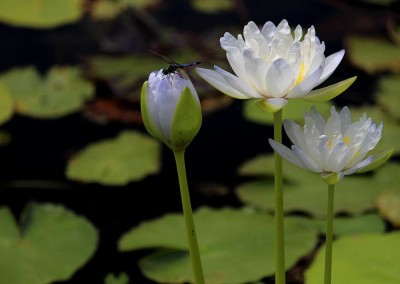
x=329, y=236
x=187, y=213
x=279, y=224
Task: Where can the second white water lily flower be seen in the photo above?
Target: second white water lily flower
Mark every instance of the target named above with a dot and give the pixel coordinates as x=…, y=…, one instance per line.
x=335, y=147
x=274, y=65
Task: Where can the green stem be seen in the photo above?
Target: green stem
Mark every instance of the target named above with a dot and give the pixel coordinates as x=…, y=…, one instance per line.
x=279, y=224
x=187, y=213
x=329, y=236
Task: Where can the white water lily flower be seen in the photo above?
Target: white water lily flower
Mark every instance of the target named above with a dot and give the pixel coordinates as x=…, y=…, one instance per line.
x=272, y=64
x=170, y=108
x=336, y=146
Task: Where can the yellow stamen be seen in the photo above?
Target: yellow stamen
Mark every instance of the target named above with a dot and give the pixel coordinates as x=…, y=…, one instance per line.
x=301, y=74
x=346, y=140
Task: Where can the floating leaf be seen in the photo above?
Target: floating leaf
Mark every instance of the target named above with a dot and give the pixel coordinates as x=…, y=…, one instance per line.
x=388, y=94
x=60, y=93
x=373, y=55
x=236, y=246
x=367, y=259
x=213, y=6
x=120, y=279
x=109, y=9
x=40, y=13
x=293, y=110
x=369, y=223
x=6, y=104
x=305, y=191
x=389, y=207
x=129, y=157
x=49, y=245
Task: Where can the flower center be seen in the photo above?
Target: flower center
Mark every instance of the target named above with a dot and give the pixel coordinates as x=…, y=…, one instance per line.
x=301, y=74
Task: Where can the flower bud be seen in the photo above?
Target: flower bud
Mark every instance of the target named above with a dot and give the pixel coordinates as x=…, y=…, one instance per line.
x=171, y=109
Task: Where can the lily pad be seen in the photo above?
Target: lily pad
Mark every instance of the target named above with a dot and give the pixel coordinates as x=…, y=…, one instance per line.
x=40, y=13
x=61, y=92
x=236, y=246
x=213, y=6
x=304, y=191
x=388, y=95
x=117, y=161
x=48, y=245
x=122, y=278
x=367, y=259
x=369, y=223
x=389, y=207
x=6, y=104
x=293, y=110
x=373, y=54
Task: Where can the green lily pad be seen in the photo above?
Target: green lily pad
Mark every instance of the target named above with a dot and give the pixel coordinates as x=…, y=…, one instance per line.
x=213, y=6
x=122, y=278
x=369, y=223
x=48, y=245
x=389, y=207
x=117, y=161
x=388, y=95
x=62, y=92
x=373, y=54
x=304, y=191
x=236, y=246
x=293, y=110
x=6, y=104
x=367, y=259
x=109, y=9
x=40, y=13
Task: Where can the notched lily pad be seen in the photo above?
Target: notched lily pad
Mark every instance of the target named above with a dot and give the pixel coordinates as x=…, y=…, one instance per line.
x=61, y=92
x=48, y=245
x=40, y=13
x=373, y=54
x=367, y=259
x=130, y=156
x=236, y=246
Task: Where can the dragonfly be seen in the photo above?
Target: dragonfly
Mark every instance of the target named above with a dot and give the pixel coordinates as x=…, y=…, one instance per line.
x=174, y=67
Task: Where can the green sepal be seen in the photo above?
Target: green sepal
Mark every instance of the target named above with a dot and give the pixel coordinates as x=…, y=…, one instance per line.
x=378, y=160
x=186, y=122
x=329, y=92
x=267, y=106
x=331, y=178
x=147, y=121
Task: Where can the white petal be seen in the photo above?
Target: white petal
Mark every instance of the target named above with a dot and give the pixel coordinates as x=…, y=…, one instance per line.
x=272, y=105
x=256, y=70
x=238, y=84
x=333, y=124
x=286, y=153
x=345, y=118
x=307, y=162
x=218, y=82
x=295, y=133
x=236, y=60
x=359, y=166
x=229, y=42
x=306, y=85
x=331, y=63
x=268, y=31
x=279, y=78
